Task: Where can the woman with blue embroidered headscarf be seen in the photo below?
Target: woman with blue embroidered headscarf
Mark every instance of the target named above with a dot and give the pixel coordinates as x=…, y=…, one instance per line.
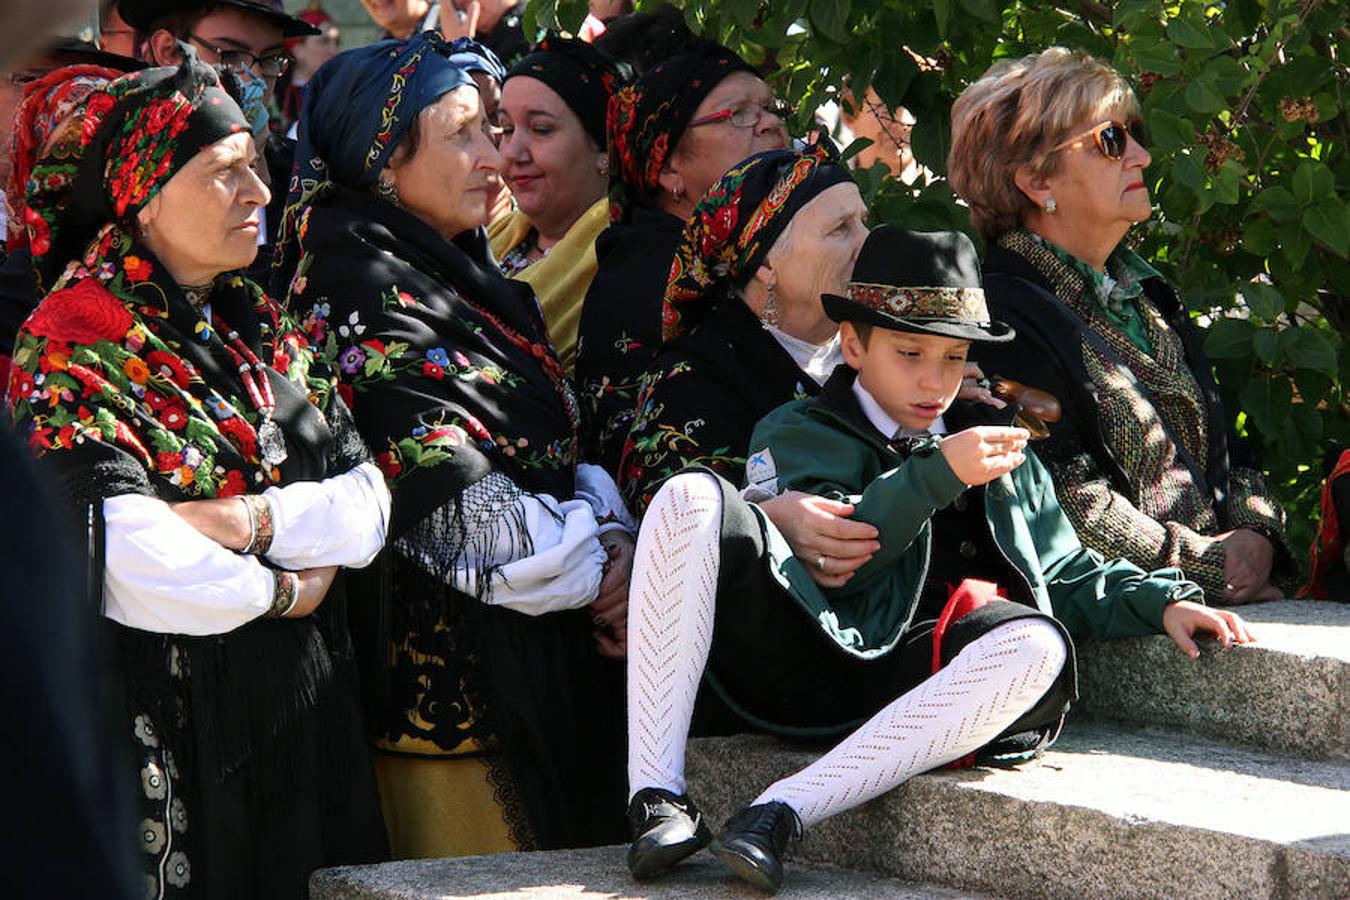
x=495, y=716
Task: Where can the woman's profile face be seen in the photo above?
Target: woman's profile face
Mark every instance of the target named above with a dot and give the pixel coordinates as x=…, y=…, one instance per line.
x=825, y=238
x=205, y=220
x=1096, y=193
x=705, y=152
x=448, y=179
x=551, y=164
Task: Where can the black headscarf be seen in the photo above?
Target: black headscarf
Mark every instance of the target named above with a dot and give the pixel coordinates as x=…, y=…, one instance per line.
x=584, y=77
x=647, y=117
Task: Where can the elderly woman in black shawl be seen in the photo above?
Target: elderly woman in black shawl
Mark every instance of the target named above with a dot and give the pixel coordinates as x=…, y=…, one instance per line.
x=672, y=133
x=184, y=418
x=493, y=711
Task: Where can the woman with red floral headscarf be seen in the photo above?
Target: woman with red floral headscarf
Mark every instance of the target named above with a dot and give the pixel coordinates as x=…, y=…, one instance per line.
x=182, y=416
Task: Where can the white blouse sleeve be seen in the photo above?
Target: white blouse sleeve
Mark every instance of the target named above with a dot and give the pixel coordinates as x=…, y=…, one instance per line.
x=541, y=555
x=340, y=521
x=596, y=487
x=165, y=576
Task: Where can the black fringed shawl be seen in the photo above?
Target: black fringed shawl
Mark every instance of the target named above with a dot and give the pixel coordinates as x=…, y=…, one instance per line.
x=453, y=384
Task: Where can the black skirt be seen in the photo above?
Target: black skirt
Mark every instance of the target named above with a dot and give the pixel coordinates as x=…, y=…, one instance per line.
x=776, y=670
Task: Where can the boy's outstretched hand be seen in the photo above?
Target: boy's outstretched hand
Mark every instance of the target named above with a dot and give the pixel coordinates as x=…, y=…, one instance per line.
x=979, y=455
x=1183, y=620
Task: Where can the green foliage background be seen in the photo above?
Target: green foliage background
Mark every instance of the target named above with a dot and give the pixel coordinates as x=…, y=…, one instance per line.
x=1245, y=102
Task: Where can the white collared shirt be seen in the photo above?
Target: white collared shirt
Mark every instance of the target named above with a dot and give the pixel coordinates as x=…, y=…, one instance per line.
x=882, y=421
x=815, y=360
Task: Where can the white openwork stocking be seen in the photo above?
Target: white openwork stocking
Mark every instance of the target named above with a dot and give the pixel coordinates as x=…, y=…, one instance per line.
x=987, y=687
x=671, y=598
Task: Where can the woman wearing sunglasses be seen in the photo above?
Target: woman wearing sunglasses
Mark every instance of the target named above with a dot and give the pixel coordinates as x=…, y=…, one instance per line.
x=1146, y=463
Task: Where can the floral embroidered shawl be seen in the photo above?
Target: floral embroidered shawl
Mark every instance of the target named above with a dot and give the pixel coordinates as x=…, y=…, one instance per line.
x=445, y=364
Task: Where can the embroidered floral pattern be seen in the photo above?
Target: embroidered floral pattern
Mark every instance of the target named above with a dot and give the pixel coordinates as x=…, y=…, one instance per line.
x=962, y=304
x=90, y=365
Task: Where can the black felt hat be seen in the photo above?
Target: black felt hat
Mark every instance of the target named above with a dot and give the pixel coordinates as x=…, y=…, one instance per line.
x=921, y=281
x=141, y=14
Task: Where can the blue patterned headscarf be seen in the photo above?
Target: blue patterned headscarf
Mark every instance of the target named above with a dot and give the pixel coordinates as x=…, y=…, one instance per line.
x=357, y=108
x=472, y=56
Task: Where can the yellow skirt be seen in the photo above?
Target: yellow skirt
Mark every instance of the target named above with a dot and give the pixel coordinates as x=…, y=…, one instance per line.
x=439, y=805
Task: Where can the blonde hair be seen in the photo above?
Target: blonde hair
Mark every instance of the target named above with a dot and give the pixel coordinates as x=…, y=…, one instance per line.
x=1012, y=117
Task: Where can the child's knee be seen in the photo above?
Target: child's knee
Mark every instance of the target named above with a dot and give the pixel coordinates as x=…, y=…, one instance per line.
x=1036, y=643
x=688, y=498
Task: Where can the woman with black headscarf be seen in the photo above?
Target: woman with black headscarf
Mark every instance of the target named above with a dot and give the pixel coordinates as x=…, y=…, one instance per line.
x=672, y=133
x=185, y=420
x=494, y=714
x=553, y=150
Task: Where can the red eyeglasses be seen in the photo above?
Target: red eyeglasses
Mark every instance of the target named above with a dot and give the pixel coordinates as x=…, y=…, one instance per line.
x=745, y=117
x=1111, y=138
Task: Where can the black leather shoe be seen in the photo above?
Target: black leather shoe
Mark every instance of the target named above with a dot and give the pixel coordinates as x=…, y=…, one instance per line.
x=753, y=841
x=666, y=828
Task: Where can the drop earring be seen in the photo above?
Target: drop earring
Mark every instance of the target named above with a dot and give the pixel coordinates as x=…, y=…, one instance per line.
x=1050, y=205
x=603, y=165
x=769, y=317
x=386, y=191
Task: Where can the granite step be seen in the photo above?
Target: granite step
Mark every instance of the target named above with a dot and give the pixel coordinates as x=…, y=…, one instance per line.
x=1111, y=811
x=598, y=872
x=1289, y=692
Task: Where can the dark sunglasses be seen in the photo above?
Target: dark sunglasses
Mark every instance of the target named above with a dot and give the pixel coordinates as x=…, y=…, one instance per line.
x=1111, y=138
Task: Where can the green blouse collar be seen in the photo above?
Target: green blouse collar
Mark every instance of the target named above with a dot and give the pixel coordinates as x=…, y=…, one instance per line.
x=1122, y=281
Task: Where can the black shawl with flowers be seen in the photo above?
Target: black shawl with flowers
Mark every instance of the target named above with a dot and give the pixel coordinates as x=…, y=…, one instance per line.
x=121, y=384
x=448, y=371
x=445, y=364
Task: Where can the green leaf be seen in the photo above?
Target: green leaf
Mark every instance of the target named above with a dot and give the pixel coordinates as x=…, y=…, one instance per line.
x=931, y=141
x=1313, y=181
x=1327, y=221
x=1278, y=203
x=1266, y=402
x=1310, y=348
x=894, y=76
x=984, y=10
x=1204, y=99
x=1263, y=300
x=942, y=11
x=1188, y=173
x=1169, y=131
x=1187, y=35
x=1226, y=183
x=830, y=18
x=1156, y=56
x=1266, y=343
x=1260, y=236
x=857, y=146
x=1295, y=246
x=1229, y=338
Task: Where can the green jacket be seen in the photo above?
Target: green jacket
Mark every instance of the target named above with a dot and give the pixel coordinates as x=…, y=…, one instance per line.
x=826, y=446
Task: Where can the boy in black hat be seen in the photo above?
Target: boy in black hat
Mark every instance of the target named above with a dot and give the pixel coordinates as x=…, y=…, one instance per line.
x=979, y=581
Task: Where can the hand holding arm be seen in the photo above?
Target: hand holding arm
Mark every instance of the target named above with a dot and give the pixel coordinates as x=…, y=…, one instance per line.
x=820, y=529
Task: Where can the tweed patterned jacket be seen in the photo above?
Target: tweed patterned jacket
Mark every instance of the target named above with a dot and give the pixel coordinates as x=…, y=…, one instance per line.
x=1145, y=462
